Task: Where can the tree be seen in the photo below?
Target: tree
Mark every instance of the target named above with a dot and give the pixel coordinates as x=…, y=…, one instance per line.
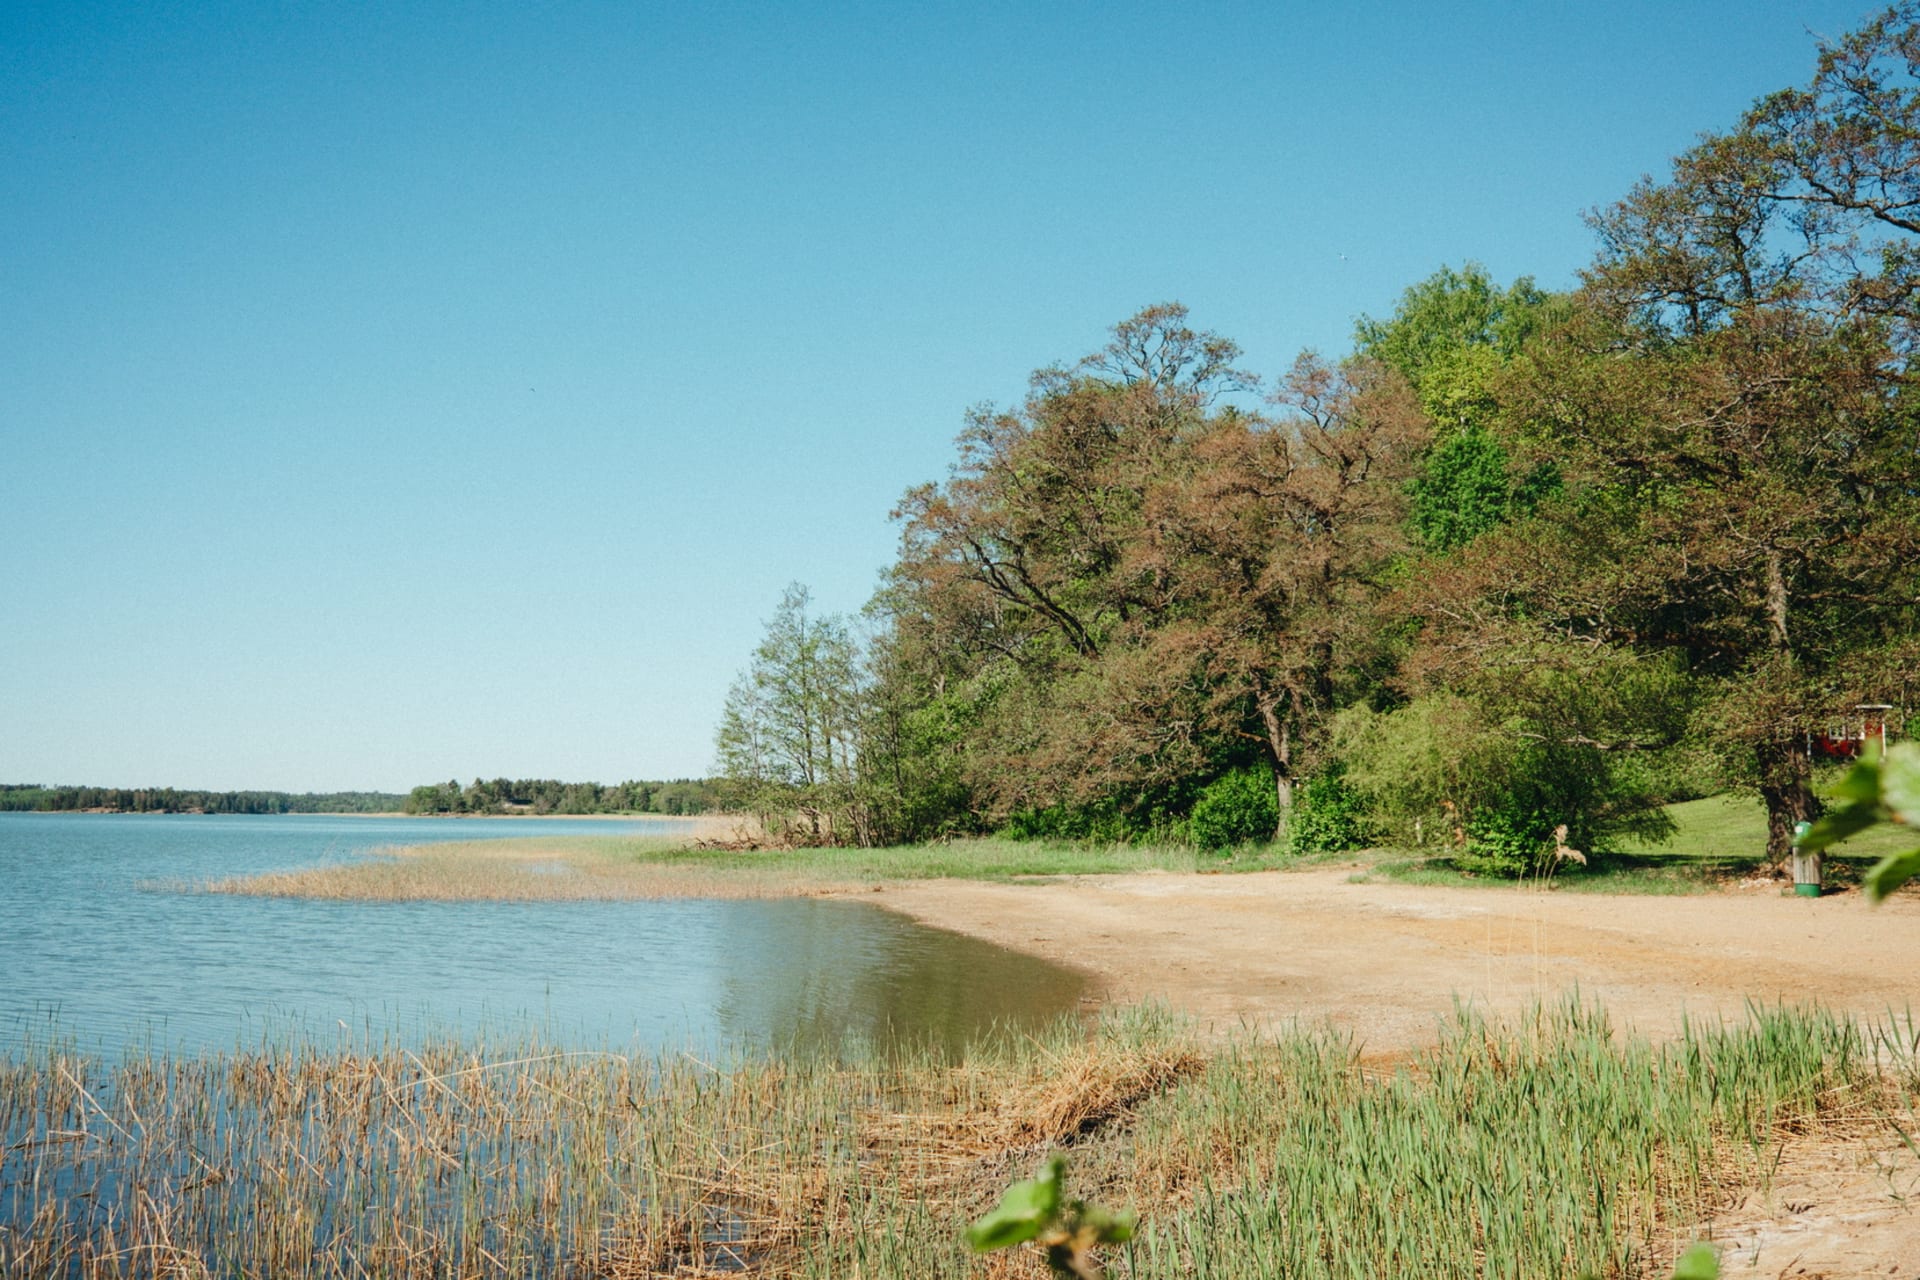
x=788, y=736
x=1274, y=547
x=1021, y=592
x=1764, y=298
x=1452, y=337
x=1447, y=314
x=1135, y=589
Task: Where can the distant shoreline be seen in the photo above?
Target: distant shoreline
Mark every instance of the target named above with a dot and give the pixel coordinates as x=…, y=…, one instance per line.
x=392, y=813
x=541, y=817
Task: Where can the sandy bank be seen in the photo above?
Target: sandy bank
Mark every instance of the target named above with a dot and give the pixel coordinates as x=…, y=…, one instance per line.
x=1386, y=960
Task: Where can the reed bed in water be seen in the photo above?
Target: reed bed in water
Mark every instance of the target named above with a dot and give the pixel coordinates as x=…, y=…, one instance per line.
x=1541, y=1148
x=531, y=869
x=602, y=867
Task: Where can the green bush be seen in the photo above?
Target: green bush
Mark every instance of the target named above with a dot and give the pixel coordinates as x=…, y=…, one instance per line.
x=1235, y=808
x=1507, y=841
x=1328, y=817
x=1100, y=821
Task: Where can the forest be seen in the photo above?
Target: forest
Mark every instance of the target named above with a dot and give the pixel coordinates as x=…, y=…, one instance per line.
x=1518, y=569
x=680, y=796
x=33, y=797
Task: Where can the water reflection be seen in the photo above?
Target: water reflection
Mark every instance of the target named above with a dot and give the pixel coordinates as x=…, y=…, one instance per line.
x=820, y=973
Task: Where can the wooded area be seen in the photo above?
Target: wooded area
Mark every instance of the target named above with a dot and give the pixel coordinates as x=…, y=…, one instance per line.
x=548, y=795
x=499, y=796
x=32, y=797
x=1522, y=560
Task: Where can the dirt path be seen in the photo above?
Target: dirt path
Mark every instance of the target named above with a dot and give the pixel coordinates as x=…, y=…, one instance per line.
x=1387, y=961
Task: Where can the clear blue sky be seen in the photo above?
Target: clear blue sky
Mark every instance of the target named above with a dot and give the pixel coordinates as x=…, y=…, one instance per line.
x=397, y=392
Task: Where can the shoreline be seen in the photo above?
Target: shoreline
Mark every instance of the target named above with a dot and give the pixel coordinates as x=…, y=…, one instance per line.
x=1384, y=961
x=530, y=817
x=1388, y=963
x=396, y=813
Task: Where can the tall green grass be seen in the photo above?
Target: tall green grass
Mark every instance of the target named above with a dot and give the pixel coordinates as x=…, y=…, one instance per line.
x=1543, y=1147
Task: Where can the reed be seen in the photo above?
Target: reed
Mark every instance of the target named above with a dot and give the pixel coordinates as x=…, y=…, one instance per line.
x=533, y=869
x=604, y=867
x=1543, y=1147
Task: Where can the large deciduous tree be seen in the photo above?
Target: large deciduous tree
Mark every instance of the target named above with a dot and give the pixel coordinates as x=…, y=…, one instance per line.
x=1274, y=543
x=1134, y=587
x=1021, y=588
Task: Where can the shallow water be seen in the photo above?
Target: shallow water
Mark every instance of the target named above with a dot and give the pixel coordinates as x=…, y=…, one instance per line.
x=95, y=946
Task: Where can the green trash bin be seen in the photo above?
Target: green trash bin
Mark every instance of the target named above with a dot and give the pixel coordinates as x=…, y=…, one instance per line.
x=1806, y=866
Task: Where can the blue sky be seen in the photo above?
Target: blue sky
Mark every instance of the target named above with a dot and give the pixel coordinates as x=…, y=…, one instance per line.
x=394, y=393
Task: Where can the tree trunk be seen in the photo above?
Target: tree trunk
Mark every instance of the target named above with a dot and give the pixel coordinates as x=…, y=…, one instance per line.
x=1786, y=784
x=1280, y=747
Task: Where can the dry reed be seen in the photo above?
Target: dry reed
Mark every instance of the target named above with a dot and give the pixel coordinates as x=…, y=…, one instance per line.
x=567, y=869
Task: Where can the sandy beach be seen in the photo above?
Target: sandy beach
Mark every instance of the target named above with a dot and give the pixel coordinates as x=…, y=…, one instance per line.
x=1386, y=961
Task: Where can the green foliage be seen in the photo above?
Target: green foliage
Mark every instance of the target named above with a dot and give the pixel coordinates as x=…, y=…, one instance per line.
x=1876, y=790
x=788, y=745
x=1563, y=737
x=1328, y=816
x=1507, y=841
x=1037, y=1211
x=1101, y=821
x=1465, y=488
x=1452, y=337
x=1450, y=310
x=1699, y=1262
x=1461, y=492
x=1236, y=808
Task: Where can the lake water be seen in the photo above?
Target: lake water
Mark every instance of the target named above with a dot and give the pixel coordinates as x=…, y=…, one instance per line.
x=95, y=946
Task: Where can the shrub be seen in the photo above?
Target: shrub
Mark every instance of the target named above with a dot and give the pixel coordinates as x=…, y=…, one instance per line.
x=1507, y=841
x=1099, y=821
x=1235, y=808
x=1328, y=817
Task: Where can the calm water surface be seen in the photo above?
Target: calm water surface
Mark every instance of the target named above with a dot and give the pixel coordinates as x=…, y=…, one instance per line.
x=94, y=945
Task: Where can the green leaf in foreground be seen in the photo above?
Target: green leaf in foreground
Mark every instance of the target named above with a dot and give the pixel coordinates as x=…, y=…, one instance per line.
x=1890, y=873
x=1108, y=1228
x=1861, y=783
x=1878, y=789
x=1068, y=1231
x=1840, y=824
x=1025, y=1210
x=1900, y=782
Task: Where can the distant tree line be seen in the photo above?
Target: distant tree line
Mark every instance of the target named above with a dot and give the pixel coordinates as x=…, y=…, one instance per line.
x=546, y=795
x=1515, y=571
x=44, y=799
